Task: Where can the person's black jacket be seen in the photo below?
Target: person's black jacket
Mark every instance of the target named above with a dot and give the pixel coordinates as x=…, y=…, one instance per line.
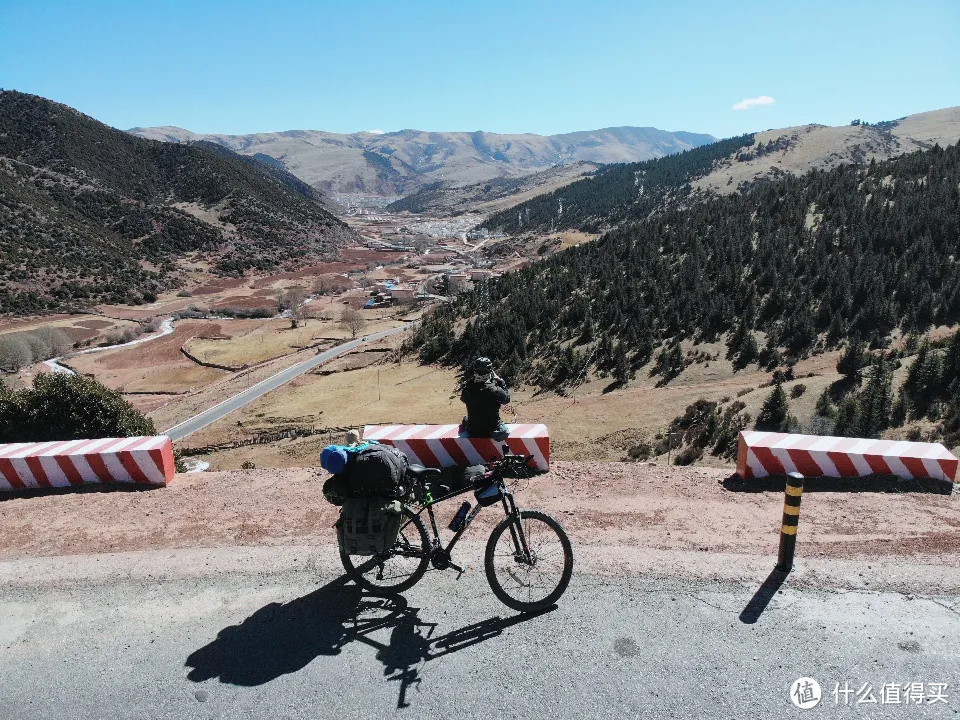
x=483, y=401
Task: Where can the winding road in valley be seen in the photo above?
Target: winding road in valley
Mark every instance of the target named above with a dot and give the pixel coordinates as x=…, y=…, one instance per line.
x=222, y=409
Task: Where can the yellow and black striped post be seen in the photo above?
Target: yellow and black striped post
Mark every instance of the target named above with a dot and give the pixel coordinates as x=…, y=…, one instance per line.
x=791, y=516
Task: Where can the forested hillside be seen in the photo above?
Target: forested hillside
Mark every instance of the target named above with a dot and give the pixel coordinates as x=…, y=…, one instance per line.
x=616, y=193
x=90, y=214
x=444, y=197
x=782, y=270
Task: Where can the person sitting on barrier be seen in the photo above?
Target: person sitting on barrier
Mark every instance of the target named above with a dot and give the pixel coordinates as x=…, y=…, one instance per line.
x=484, y=392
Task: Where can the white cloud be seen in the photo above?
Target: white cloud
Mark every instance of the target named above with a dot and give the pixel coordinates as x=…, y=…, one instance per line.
x=748, y=103
x=377, y=132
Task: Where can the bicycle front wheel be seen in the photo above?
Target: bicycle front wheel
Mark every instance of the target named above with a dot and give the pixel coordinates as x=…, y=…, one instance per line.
x=534, y=581
x=398, y=569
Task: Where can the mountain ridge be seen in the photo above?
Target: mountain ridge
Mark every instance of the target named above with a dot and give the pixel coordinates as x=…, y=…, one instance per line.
x=405, y=161
x=621, y=192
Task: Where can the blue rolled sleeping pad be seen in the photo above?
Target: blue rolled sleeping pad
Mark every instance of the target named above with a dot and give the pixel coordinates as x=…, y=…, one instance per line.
x=335, y=458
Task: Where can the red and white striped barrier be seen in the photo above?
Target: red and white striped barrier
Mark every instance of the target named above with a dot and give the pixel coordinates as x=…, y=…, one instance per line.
x=765, y=453
x=446, y=446
x=143, y=460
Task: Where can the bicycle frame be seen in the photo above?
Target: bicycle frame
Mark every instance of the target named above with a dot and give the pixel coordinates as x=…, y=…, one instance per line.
x=509, y=509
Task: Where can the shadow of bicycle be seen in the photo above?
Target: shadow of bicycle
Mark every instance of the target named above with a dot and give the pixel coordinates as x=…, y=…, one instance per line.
x=283, y=638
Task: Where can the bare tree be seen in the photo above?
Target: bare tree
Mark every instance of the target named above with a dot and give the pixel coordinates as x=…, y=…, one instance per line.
x=39, y=349
x=352, y=321
x=332, y=284
x=292, y=300
x=14, y=353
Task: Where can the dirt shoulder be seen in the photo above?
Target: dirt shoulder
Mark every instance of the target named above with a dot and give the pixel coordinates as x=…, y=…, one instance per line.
x=620, y=515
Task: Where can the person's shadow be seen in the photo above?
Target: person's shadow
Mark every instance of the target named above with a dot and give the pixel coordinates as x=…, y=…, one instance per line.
x=283, y=638
x=278, y=638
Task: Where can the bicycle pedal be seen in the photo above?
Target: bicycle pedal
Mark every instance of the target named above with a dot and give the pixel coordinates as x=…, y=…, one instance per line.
x=460, y=570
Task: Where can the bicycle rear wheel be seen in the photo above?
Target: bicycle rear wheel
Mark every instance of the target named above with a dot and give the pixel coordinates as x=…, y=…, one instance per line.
x=537, y=582
x=399, y=568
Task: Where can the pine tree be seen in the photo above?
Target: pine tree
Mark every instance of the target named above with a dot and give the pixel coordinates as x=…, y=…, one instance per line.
x=676, y=360
x=852, y=360
x=775, y=414
x=748, y=351
x=735, y=341
x=621, y=368
x=924, y=380
x=876, y=400
x=950, y=372
x=847, y=420
x=824, y=406
x=588, y=332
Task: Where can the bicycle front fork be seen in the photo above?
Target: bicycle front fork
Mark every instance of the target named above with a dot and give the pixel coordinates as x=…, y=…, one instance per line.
x=520, y=547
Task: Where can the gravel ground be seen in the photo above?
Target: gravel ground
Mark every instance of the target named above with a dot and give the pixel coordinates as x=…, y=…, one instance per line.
x=619, y=515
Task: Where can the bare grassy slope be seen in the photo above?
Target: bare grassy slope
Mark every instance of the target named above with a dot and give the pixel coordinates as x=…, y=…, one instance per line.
x=799, y=149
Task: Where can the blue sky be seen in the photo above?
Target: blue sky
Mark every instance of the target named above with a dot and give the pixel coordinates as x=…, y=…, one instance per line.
x=543, y=67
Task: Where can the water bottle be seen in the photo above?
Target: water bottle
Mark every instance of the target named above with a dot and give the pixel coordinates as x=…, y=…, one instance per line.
x=457, y=523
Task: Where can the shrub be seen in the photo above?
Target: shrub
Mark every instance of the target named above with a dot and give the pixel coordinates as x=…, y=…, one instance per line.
x=11, y=410
x=68, y=407
x=688, y=455
x=797, y=390
x=119, y=337
x=246, y=313
x=641, y=451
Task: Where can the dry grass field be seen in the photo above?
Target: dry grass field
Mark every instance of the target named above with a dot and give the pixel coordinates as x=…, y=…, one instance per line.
x=274, y=338
x=80, y=328
x=592, y=423
x=262, y=340
x=156, y=366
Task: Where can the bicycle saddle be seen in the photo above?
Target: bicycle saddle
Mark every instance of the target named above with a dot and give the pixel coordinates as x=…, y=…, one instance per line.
x=424, y=473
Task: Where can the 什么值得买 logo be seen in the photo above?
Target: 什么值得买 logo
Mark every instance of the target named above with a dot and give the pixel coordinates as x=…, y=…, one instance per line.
x=805, y=693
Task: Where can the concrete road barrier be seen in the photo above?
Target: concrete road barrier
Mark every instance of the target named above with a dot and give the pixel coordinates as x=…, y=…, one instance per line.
x=765, y=453
x=141, y=460
x=447, y=446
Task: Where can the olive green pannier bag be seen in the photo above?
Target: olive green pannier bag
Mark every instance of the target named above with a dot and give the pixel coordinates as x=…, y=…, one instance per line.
x=368, y=526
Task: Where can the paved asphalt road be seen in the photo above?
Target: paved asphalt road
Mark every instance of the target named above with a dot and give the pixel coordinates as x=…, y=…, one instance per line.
x=280, y=634
x=211, y=415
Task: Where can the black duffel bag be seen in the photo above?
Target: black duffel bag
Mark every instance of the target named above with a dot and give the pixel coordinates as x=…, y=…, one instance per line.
x=379, y=471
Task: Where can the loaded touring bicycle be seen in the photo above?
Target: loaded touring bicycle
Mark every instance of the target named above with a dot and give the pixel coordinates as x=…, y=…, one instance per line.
x=387, y=545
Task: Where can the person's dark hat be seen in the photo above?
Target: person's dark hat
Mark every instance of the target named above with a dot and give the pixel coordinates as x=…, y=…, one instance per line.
x=482, y=365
